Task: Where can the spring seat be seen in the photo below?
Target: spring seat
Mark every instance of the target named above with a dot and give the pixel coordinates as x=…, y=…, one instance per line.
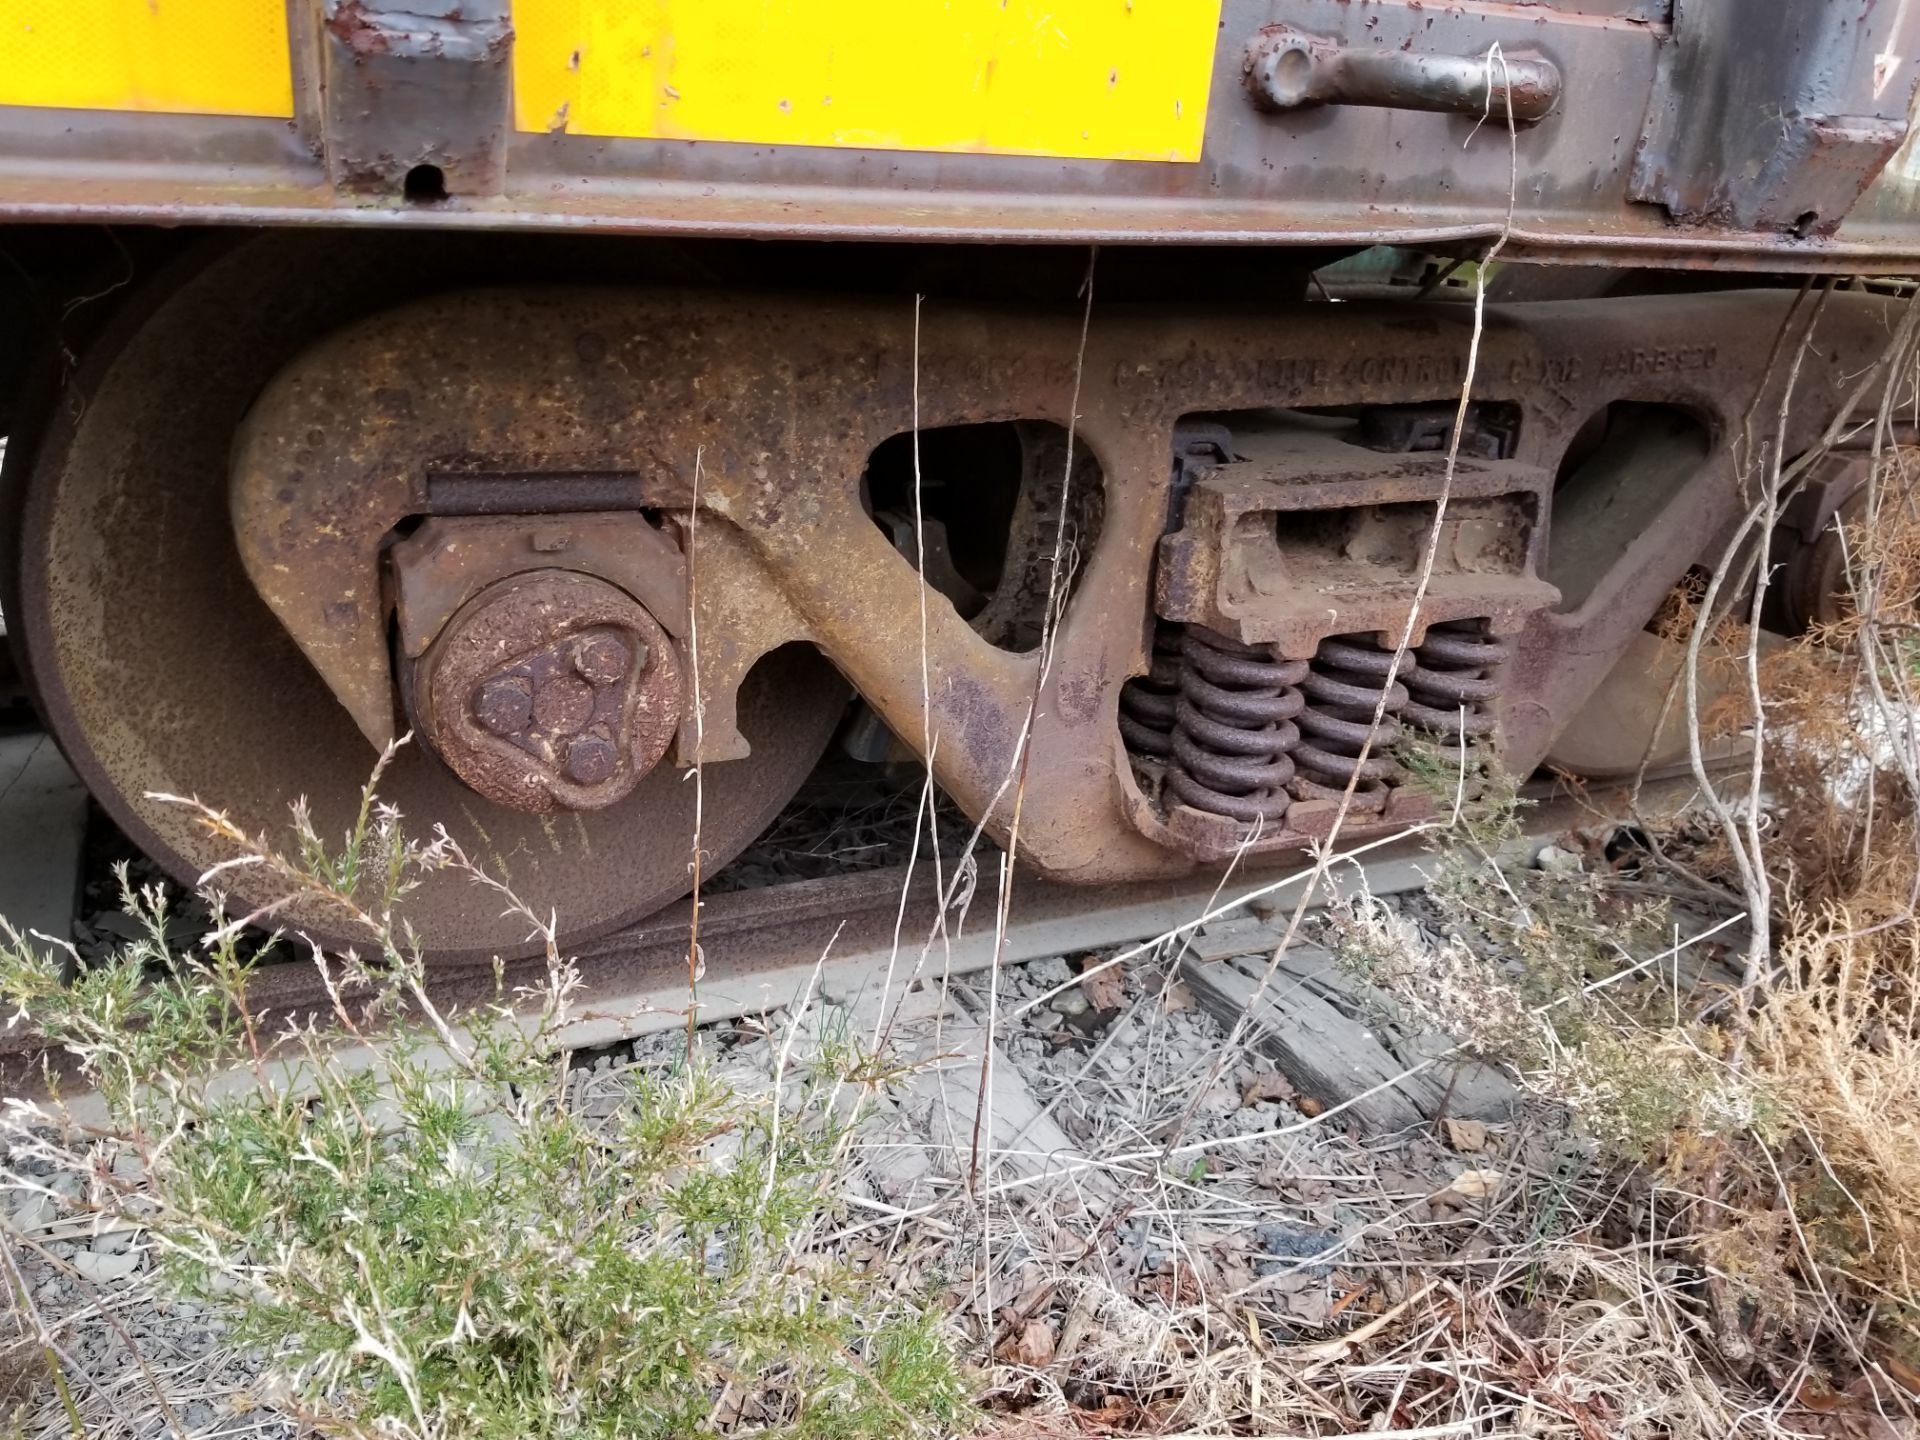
x=1343, y=686
x=1233, y=728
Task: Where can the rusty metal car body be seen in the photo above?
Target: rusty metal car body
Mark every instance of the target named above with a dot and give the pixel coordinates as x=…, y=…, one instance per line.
x=598, y=391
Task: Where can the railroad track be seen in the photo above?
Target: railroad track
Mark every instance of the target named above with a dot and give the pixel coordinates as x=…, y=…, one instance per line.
x=764, y=947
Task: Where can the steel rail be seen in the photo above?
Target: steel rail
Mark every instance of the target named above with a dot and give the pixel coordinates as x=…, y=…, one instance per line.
x=769, y=947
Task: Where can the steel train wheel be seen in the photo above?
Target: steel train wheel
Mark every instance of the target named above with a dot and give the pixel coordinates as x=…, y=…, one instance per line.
x=159, y=669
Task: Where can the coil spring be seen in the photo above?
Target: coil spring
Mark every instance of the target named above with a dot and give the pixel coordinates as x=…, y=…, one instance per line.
x=1343, y=687
x=1147, y=701
x=1233, y=727
x=1452, y=686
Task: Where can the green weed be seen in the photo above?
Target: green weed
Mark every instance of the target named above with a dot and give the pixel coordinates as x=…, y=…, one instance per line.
x=428, y=1238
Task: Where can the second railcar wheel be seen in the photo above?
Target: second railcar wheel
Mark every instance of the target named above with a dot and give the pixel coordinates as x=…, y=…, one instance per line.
x=160, y=669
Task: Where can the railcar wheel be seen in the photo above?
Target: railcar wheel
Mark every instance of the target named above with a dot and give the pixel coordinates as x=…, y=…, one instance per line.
x=159, y=669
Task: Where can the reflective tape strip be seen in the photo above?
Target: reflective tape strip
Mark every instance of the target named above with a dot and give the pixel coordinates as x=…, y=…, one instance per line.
x=193, y=57
x=1078, y=79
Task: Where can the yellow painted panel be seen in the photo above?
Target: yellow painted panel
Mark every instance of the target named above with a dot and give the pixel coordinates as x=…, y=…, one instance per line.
x=1087, y=79
x=190, y=57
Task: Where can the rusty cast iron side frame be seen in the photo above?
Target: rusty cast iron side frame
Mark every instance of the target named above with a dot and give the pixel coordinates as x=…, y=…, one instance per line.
x=1729, y=133
x=782, y=399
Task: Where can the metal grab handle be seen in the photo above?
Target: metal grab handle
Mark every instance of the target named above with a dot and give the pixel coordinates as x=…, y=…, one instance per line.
x=1287, y=70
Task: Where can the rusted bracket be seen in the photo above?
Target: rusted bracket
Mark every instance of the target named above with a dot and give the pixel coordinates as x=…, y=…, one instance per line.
x=446, y=562
x=1775, y=117
x=417, y=97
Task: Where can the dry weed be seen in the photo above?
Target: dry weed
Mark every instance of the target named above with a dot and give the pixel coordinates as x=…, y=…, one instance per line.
x=1768, y=1111
x=1782, y=1116
x=1825, y=1198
